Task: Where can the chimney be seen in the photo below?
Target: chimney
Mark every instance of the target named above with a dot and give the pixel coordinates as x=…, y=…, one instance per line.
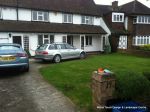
x=115, y=5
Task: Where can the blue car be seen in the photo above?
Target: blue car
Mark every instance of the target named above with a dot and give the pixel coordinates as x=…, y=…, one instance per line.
x=13, y=56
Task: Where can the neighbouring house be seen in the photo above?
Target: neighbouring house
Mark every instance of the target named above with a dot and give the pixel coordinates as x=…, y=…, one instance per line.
x=129, y=24
x=35, y=22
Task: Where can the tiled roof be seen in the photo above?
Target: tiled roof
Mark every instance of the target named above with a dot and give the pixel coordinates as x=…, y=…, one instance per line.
x=42, y=27
x=104, y=9
x=70, y=6
x=135, y=7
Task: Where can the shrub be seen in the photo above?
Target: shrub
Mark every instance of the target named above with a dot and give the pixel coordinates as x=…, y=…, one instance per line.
x=147, y=75
x=131, y=85
x=145, y=47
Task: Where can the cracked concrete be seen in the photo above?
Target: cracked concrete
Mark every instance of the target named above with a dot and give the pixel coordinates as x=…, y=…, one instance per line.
x=29, y=92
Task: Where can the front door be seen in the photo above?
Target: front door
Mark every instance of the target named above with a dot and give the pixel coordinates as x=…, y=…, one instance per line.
x=17, y=40
x=70, y=39
x=82, y=42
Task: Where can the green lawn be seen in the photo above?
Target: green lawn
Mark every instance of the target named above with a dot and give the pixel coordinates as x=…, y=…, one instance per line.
x=73, y=78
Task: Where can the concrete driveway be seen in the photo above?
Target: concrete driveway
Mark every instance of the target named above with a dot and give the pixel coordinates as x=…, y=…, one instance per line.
x=29, y=92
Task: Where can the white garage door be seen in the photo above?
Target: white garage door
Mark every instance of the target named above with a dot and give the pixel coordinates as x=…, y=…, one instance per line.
x=4, y=40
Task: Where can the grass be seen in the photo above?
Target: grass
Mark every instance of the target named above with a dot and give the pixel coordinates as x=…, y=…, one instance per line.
x=73, y=78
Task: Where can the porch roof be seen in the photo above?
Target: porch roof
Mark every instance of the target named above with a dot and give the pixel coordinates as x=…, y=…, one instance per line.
x=45, y=27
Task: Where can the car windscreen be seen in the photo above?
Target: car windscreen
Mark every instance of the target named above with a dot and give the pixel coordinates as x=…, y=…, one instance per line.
x=42, y=47
x=9, y=48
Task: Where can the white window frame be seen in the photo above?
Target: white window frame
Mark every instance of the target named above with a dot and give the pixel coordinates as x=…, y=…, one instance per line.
x=117, y=17
x=141, y=40
x=0, y=13
x=143, y=19
x=123, y=42
x=64, y=39
x=40, y=14
x=68, y=18
x=48, y=38
x=88, y=40
x=87, y=20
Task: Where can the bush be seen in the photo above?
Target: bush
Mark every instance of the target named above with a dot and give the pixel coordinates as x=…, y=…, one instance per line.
x=145, y=47
x=131, y=85
x=147, y=75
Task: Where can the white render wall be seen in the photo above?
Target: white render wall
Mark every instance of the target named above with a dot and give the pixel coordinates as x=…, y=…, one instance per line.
x=76, y=19
x=76, y=41
x=24, y=15
x=9, y=13
x=97, y=21
x=96, y=44
x=55, y=17
x=4, y=38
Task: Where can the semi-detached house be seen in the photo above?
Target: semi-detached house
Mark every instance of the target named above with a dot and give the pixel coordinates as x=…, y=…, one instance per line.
x=35, y=22
x=129, y=24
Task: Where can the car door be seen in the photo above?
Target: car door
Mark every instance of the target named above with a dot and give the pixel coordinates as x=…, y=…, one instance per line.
x=63, y=51
x=73, y=52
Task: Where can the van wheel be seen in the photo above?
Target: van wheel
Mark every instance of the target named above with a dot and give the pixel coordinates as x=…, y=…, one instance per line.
x=57, y=59
x=82, y=55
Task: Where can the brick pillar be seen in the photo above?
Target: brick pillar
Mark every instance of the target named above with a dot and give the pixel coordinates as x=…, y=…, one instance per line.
x=103, y=86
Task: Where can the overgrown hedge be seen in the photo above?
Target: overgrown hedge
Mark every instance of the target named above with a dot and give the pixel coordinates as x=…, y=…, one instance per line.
x=145, y=47
x=131, y=85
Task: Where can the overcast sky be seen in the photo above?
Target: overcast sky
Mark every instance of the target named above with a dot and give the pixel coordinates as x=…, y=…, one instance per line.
x=108, y=2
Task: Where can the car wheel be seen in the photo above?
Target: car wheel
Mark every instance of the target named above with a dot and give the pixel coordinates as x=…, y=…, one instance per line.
x=82, y=55
x=57, y=59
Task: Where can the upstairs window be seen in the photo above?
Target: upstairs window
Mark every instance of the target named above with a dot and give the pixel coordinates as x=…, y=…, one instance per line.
x=39, y=16
x=143, y=19
x=67, y=18
x=87, y=20
x=117, y=17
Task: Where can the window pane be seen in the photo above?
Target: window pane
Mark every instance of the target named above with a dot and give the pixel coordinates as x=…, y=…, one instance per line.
x=51, y=47
x=121, y=17
x=45, y=16
x=115, y=17
x=46, y=41
x=83, y=19
x=87, y=41
x=40, y=13
x=40, y=18
x=90, y=40
x=69, y=18
x=40, y=39
x=65, y=18
x=34, y=15
x=148, y=19
x=64, y=39
x=51, y=38
x=63, y=46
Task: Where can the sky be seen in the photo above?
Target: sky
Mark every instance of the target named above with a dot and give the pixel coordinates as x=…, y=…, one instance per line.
x=120, y=2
